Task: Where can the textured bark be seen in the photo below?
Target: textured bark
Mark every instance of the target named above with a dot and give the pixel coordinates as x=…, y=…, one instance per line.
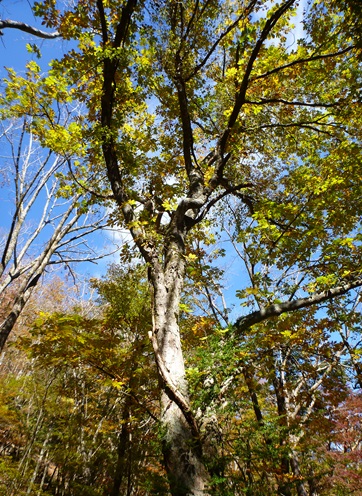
x=275, y=310
x=291, y=462
x=186, y=472
x=181, y=443
x=10, y=321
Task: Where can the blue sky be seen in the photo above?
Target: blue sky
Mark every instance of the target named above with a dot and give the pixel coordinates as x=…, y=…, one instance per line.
x=13, y=52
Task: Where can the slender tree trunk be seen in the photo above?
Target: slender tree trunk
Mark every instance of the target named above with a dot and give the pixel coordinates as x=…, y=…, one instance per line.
x=294, y=463
x=38, y=464
x=249, y=381
x=290, y=462
x=312, y=486
x=356, y=365
x=122, y=449
x=283, y=488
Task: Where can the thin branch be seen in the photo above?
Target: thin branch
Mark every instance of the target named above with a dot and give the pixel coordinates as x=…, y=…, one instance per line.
x=302, y=61
x=91, y=259
x=189, y=24
x=220, y=38
x=229, y=190
x=263, y=101
x=88, y=190
x=304, y=125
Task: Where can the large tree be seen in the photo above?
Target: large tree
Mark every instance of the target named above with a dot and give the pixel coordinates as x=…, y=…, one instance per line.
x=187, y=104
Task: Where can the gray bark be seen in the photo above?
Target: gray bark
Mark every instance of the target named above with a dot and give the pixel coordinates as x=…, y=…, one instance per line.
x=22, y=26
x=181, y=443
x=275, y=310
x=24, y=256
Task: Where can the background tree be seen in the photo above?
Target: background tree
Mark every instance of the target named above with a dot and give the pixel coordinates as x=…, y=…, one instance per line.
x=48, y=224
x=81, y=413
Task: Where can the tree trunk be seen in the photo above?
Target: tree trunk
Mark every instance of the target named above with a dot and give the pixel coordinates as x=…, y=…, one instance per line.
x=290, y=462
x=186, y=472
x=123, y=445
x=294, y=463
x=249, y=381
x=123, y=465
x=283, y=487
x=181, y=443
x=16, y=309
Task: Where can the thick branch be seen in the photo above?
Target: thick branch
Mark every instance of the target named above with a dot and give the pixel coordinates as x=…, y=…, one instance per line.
x=28, y=29
x=23, y=295
x=187, y=134
x=102, y=17
x=275, y=310
x=122, y=28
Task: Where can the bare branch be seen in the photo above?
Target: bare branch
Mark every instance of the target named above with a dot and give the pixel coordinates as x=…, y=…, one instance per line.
x=59, y=225
x=277, y=309
x=28, y=29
